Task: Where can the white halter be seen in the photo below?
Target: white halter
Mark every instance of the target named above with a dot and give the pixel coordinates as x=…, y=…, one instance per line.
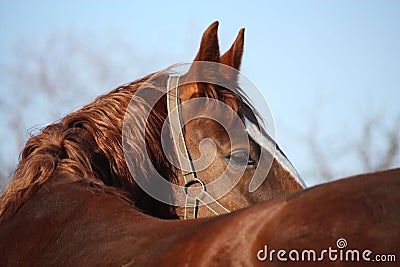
x=185, y=162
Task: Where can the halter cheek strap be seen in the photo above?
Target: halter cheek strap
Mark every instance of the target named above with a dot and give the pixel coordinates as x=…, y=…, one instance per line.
x=185, y=162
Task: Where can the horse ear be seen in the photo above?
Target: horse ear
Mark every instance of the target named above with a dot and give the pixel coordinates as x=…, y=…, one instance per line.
x=209, y=47
x=208, y=51
x=233, y=57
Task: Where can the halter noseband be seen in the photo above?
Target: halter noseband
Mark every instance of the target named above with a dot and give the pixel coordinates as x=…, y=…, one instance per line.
x=185, y=162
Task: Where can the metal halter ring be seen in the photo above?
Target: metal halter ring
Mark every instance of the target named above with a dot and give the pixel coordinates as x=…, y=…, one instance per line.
x=196, y=180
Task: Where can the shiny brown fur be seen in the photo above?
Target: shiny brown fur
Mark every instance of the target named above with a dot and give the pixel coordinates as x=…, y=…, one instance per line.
x=71, y=224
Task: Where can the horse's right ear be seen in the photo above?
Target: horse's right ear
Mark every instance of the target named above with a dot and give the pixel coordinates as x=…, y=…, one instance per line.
x=208, y=51
x=209, y=47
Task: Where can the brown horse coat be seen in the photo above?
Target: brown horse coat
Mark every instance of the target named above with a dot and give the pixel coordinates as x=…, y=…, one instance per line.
x=81, y=226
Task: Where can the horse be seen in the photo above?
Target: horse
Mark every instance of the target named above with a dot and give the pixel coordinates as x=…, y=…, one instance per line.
x=88, y=144
x=74, y=200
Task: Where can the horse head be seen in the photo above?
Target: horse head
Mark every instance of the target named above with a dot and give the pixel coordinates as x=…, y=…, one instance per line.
x=212, y=147
x=88, y=145
x=216, y=123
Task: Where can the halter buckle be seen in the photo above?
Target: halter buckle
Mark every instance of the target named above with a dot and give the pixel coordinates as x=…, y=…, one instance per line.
x=192, y=182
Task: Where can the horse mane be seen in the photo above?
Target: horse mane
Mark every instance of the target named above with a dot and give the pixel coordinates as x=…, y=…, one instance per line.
x=85, y=147
x=84, y=144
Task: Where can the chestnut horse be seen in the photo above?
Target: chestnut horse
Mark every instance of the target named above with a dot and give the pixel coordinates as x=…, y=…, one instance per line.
x=74, y=200
x=87, y=144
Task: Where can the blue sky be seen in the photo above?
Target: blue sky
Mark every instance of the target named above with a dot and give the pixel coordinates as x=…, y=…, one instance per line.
x=332, y=61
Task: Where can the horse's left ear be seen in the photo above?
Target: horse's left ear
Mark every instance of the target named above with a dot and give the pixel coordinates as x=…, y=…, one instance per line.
x=233, y=57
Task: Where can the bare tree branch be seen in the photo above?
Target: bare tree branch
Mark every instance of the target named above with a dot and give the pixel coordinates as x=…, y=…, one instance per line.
x=50, y=79
x=392, y=149
x=321, y=159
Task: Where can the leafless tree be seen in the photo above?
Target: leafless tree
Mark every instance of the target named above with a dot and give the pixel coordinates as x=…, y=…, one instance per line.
x=375, y=148
x=51, y=78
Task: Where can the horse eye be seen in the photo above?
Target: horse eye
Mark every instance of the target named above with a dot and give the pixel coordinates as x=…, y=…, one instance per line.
x=241, y=158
